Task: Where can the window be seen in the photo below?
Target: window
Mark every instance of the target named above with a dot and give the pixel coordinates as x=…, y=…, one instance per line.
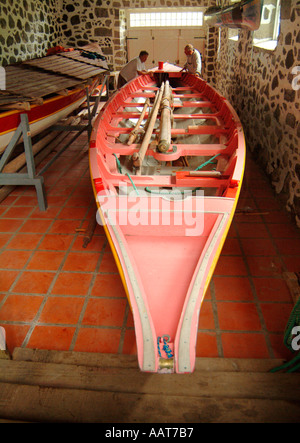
x=233, y=33
x=165, y=18
x=267, y=35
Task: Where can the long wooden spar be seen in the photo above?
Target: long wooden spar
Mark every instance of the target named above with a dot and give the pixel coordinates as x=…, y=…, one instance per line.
x=165, y=119
x=139, y=157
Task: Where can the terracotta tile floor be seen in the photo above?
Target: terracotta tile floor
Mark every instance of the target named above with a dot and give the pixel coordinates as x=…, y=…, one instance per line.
x=55, y=294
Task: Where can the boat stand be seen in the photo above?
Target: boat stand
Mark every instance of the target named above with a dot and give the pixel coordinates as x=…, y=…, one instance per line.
x=32, y=177
x=29, y=178
x=91, y=114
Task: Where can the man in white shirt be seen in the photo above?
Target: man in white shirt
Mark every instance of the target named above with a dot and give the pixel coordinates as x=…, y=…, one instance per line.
x=193, y=63
x=135, y=67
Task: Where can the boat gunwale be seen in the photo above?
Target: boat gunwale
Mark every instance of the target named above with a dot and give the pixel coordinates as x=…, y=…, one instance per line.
x=102, y=178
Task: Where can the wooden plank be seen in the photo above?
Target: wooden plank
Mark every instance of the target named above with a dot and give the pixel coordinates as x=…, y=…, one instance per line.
x=65, y=66
x=205, y=384
x=44, y=404
x=35, y=84
x=130, y=361
x=76, y=55
x=67, y=392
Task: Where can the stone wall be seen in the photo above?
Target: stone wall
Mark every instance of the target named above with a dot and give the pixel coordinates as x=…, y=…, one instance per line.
x=28, y=29
x=104, y=22
x=259, y=84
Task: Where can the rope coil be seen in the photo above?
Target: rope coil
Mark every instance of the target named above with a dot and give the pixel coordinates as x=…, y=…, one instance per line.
x=165, y=338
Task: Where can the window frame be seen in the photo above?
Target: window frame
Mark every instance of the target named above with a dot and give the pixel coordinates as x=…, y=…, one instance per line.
x=153, y=11
x=269, y=43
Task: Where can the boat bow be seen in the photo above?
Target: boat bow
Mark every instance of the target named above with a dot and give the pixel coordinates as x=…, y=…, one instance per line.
x=166, y=224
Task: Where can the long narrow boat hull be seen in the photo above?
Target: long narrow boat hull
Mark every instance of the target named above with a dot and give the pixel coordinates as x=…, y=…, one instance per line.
x=167, y=219
x=42, y=116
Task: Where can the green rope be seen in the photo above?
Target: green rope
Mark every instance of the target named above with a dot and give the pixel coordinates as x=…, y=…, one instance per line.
x=134, y=187
x=207, y=162
x=293, y=321
x=118, y=163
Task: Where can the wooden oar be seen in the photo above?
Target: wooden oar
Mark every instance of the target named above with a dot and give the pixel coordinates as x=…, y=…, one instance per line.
x=139, y=157
x=133, y=135
x=165, y=119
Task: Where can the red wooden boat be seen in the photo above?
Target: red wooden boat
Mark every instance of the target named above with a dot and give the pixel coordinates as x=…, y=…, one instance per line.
x=48, y=89
x=166, y=202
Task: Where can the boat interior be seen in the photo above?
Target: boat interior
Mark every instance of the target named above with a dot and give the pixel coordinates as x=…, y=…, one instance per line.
x=204, y=138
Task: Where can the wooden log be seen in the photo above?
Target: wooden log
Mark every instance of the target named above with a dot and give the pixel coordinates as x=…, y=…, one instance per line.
x=206, y=173
x=133, y=135
x=138, y=161
x=165, y=119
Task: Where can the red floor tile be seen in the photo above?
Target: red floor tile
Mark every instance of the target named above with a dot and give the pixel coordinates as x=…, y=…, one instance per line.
x=72, y=213
x=20, y=307
x=6, y=279
x=108, y=263
x=228, y=265
x=46, y=260
x=4, y=238
x=72, y=284
x=77, y=261
x=272, y=289
x=129, y=345
x=62, y=310
x=265, y=266
x=283, y=230
x=14, y=259
x=252, y=230
x=64, y=227
x=233, y=288
x=56, y=242
x=292, y=263
x=34, y=282
x=18, y=212
x=206, y=345
x=10, y=225
x=279, y=348
x=242, y=345
x=40, y=226
x=98, y=340
x=15, y=335
x=108, y=285
x=24, y=241
x=276, y=315
x=206, y=319
x=104, y=312
x=96, y=244
x=238, y=316
x=50, y=213
x=262, y=246
x=231, y=247
x=288, y=246
x=57, y=338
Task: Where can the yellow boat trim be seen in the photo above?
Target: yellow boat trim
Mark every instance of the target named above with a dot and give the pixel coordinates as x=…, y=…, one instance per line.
x=5, y=114
x=112, y=246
